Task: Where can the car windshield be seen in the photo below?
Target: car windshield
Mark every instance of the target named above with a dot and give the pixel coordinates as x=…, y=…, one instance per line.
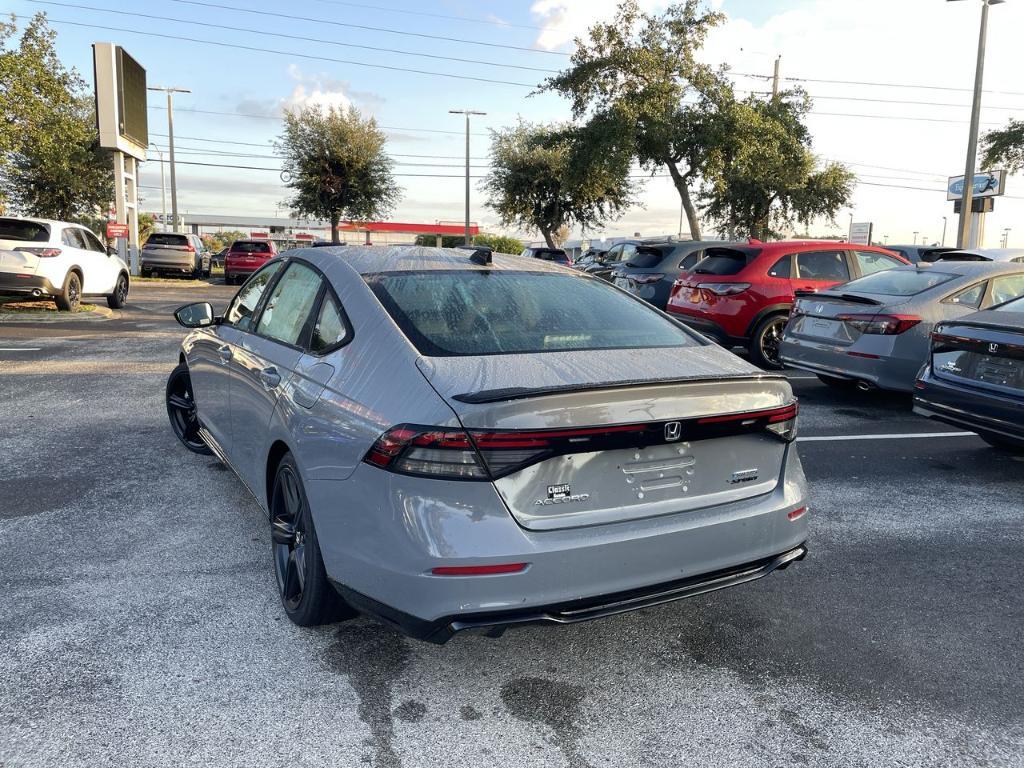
x=1015, y=305
x=167, y=238
x=896, y=282
x=250, y=248
x=446, y=314
x=28, y=231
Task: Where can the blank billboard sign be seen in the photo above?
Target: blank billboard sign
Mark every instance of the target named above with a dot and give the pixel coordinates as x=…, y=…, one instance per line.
x=120, y=100
x=133, y=123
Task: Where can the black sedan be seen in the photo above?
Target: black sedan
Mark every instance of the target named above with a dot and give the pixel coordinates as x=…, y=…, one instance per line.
x=974, y=378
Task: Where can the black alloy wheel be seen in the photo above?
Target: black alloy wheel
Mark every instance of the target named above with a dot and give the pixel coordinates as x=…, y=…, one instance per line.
x=765, y=346
x=70, y=297
x=306, y=594
x=181, y=410
x=119, y=297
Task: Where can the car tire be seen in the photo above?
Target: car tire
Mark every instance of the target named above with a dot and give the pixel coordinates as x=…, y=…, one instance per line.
x=117, y=299
x=70, y=297
x=1001, y=443
x=306, y=594
x=836, y=383
x=764, y=343
x=147, y=272
x=181, y=410
x=197, y=271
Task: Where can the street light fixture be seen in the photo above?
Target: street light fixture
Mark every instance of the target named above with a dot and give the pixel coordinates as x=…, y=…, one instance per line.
x=467, y=113
x=170, y=142
x=966, y=202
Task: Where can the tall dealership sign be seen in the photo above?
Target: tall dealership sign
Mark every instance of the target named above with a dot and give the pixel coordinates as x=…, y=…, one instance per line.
x=121, y=119
x=987, y=186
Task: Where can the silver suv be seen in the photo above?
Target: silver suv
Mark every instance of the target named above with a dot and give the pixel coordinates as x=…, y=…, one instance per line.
x=452, y=440
x=177, y=254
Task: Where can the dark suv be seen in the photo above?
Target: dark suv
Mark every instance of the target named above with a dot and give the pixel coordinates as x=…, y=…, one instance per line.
x=648, y=269
x=556, y=255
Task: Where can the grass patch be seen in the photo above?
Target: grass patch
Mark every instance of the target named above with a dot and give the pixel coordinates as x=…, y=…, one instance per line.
x=38, y=307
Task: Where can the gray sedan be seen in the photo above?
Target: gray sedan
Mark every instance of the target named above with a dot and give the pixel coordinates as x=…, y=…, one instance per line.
x=874, y=331
x=450, y=440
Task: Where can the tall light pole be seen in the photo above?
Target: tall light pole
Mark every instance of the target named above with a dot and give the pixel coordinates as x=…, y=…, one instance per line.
x=163, y=188
x=943, y=231
x=1006, y=237
x=963, y=236
x=915, y=238
x=467, y=113
x=170, y=142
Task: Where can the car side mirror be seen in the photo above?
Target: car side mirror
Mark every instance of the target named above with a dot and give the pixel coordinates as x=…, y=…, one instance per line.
x=111, y=250
x=199, y=315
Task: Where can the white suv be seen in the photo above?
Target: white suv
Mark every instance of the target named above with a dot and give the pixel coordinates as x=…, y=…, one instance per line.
x=44, y=259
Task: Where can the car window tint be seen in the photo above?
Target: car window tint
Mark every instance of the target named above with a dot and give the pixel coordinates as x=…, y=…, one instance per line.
x=329, y=329
x=466, y=312
x=871, y=262
x=92, y=242
x=1006, y=287
x=288, y=308
x=783, y=267
x=690, y=259
x=167, y=238
x=969, y=297
x=241, y=310
x=29, y=231
x=724, y=261
x=822, y=265
x=906, y=281
x=242, y=247
x=646, y=258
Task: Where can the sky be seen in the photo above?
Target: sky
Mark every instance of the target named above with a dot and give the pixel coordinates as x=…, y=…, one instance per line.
x=902, y=142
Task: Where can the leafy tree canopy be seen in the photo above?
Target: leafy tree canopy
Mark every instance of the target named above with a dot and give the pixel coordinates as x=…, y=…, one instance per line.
x=499, y=243
x=336, y=166
x=1004, y=146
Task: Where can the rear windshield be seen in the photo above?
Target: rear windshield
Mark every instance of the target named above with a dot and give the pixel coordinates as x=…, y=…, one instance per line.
x=447, y=314
x=1016, y=305
x=724, y=261
x=249, y=247
x=957, y=256
x=647, y=257
x=167, y=238
x=898, y=282
x=29, y=231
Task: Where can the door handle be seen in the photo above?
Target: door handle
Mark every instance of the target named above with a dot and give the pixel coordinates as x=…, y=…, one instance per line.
x=270, y=378
x=225, y=354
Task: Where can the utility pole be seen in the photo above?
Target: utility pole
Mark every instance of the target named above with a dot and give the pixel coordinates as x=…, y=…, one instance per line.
x=943, y=231
x=915, y=238
x=967, y=200
x=163, y=189
x=775, y=77
x=170, y=141
x=467, y=113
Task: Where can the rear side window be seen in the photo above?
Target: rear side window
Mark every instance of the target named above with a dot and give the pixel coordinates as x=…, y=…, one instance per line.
x=969, y=297
x=247, y=247
x=724, y=261
x=73, y=238
x=446, y=314
x=329, y=330
x=167, y=238
x=899, y=282
x=91, y=241
x=28, y=231
x=646, y=258
x=871, y=262
x=240, y=312
x=783, y=267
x=822, y=265
x=1006, y=287
x=1016, y=305
x=690, y=260
x=287, y=310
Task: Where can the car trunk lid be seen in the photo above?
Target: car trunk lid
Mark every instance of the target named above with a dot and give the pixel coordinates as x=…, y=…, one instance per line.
x=596, y=447
x=986, y=354
x=835, y=317
x=21, y=262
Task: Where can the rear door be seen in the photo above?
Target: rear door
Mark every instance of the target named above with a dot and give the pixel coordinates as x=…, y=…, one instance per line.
x=263, y=362
x=104, y=266
x=821, y=269
x=92, y=269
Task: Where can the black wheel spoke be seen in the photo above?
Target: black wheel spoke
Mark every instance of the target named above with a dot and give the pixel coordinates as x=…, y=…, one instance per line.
x=180, y=402
x=292, y=587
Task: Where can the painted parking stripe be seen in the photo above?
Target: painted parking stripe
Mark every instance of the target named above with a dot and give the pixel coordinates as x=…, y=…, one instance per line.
x=911, y=436
x=20, y=349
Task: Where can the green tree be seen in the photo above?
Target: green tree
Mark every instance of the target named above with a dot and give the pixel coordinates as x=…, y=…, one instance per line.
x=336, y=166
x=218, y=241
x=1004, y=146
x=639, y=81
x=499, y=243
x=546, y=178
x=50, y=161
x=763, y=177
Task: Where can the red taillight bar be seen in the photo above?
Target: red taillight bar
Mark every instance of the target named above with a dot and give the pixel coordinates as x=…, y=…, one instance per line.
x=479, y=570
x=492, y=440
x=796, y=513
x=774, y=415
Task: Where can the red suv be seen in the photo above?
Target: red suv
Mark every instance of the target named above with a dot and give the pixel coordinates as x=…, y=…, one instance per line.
x=245, y=257
x=741, y=295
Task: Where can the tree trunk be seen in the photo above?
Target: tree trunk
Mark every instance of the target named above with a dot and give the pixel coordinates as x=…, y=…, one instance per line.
x=548, y=238
x=680, y=182
x=335, y=219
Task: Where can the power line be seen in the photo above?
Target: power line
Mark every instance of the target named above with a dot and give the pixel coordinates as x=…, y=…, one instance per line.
x=875, y=84
x=815, y=97
x=893, y=117
x=293, y=37
x=332, y=22
x=295, y=54
x=392, y=9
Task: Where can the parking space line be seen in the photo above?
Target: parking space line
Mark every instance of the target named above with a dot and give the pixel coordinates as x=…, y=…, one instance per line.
x=20, y=349
x=911, y=436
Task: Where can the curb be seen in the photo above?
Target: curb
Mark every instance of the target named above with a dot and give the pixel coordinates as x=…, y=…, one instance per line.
x=92, y=316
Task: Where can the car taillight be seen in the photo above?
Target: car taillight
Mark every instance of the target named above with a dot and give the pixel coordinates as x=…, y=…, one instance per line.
x=723, y=289
x=43, y=253
x=779, y=421
x=479, y=570
x=645, y=279
x=884, y=325
x=190, y=248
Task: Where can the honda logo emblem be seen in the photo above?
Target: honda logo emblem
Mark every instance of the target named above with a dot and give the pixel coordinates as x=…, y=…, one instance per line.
x=819, y=308
x=993, y=348
x=673, y=431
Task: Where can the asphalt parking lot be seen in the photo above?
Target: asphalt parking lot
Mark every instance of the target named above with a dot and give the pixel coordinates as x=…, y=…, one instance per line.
x=140, y=623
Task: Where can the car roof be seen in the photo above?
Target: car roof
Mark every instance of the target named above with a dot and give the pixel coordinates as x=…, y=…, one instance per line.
x=48, y=222
x=996, y=254
x=377, y=259
x=966, y=268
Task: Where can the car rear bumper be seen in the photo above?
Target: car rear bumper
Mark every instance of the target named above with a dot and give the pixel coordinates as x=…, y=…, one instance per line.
x=382, y=534
x=970, y=408
x=708, y=328
x=13, y=284
x=575, y=611
x=880, y=369
x=165, y=265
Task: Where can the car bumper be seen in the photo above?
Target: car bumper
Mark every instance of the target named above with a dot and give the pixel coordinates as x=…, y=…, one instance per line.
x=708, y=328
x=970, y=408
x=383, y=559
x=14, y=284
x=884, y=369
x=152, y=265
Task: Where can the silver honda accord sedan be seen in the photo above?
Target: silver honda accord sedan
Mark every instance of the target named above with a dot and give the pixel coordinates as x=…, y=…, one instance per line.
x=449, y=440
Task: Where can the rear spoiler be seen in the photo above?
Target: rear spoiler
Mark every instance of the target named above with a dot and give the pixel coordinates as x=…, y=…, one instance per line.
x=852, y=298
x=523, y=393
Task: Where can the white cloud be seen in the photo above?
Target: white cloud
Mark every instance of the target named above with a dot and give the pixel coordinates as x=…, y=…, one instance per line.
x=562, y=21
x=316, y=91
